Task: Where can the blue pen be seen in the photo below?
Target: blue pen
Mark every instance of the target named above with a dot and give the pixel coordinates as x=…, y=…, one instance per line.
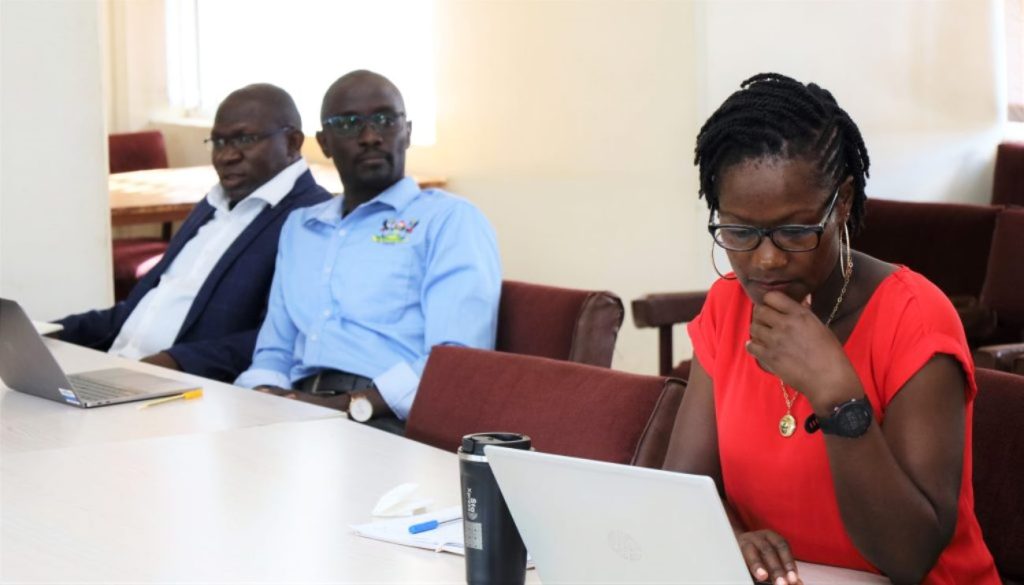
x=430, y=525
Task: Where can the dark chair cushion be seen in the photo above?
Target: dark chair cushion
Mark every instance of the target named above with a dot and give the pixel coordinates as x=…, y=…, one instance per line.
x=137, y=151
x=998, y=473
x=566, y=408
x=558, y=323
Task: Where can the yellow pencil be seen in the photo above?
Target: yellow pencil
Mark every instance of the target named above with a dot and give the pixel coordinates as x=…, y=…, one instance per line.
x=186, y=396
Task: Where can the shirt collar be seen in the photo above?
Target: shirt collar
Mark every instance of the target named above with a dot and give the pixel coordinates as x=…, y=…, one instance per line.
x=271, y=192
x=397, y=196
x=329, y=214
x=400, y=194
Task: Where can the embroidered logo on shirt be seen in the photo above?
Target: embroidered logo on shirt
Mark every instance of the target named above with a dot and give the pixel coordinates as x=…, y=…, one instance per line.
x=394, y=231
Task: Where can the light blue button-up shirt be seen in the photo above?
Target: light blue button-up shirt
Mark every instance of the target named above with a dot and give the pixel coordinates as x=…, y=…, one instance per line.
x=372, y=292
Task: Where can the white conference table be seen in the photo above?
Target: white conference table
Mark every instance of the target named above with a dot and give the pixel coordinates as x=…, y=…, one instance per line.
x=235, y=495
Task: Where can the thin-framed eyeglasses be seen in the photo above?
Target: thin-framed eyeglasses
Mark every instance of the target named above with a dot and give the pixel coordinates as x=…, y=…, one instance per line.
x=241, y=141
x=351, y=125
x=790, y=238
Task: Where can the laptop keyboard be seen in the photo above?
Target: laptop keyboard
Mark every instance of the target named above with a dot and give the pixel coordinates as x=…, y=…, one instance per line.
x=91, y=390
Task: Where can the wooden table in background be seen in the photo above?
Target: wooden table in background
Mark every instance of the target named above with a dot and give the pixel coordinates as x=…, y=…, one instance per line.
x=168, y=195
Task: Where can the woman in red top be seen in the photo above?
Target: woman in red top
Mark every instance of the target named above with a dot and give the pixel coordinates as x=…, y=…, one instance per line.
x=830, y=395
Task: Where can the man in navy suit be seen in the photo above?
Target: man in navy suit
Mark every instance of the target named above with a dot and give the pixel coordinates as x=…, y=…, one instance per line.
x=200, y=308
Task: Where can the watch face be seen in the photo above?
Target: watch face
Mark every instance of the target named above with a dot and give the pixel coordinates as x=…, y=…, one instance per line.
x=360, y=409
x=853, y=419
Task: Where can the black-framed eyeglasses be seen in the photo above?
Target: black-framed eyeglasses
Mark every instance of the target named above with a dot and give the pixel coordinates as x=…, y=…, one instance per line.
x=790, y=238
x=241, y=141
x=351, y=125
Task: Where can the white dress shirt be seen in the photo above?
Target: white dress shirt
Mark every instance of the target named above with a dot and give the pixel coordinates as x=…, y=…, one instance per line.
x=154, y=324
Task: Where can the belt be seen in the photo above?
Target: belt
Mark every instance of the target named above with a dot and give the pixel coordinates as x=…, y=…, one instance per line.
x=333, y=382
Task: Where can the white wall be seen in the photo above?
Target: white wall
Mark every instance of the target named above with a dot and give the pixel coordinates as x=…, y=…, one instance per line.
x=54, y=214
x=922, y=79
x=572, y=125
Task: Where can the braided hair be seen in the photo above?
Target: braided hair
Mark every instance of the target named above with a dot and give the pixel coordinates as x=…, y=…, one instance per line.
x=774, y=115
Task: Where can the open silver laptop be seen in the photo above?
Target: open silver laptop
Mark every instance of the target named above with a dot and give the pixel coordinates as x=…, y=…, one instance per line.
x=593, y=522
x=26, y=365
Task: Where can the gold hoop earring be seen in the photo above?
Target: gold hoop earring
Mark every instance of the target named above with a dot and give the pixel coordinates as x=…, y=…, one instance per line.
x=847, y=266
x=715, y=266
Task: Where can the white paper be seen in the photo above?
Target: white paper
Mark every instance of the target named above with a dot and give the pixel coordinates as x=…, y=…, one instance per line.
x=446, y=537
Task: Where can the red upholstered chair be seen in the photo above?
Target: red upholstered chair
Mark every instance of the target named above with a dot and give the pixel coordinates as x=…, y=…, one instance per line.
x=662, y=311
x=948, y=243
x=137, y=151
x=1002, y=297
x=998, y=473
x=566, y=408
x=133, y=257
x=558, y=323
x=1008, y=182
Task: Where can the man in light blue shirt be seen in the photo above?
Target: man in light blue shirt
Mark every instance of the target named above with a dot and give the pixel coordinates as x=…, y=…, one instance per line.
x=367, y=283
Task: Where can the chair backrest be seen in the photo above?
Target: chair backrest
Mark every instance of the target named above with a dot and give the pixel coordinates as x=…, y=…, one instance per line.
x=559, y=323
x=137, y=151
x=566, y=408
x=946, y=242
x=998, y=473
x=1003, y=292
x=1008, y=182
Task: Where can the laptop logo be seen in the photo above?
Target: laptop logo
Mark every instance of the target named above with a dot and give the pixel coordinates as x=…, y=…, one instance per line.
x=625, y=546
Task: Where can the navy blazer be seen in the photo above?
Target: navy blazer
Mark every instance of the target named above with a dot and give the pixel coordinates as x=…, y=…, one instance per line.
x=218, y=335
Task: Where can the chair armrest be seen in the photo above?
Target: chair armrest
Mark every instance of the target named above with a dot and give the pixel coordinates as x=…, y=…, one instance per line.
x=1003, y=357
x=1018, y=365
x=660, y=309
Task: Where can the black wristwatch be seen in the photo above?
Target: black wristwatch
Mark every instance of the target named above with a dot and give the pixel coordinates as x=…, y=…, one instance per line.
x=850, y=419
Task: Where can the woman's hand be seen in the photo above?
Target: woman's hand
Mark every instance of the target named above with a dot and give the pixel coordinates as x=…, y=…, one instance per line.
x=789, y=341
x=768, y=557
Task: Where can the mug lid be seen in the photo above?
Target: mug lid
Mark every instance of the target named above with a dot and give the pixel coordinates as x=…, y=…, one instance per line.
x=474, y=444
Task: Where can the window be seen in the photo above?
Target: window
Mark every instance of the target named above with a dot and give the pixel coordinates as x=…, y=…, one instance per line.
x=217, y=46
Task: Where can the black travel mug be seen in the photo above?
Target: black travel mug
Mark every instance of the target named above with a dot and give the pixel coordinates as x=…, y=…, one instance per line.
x=495, y=553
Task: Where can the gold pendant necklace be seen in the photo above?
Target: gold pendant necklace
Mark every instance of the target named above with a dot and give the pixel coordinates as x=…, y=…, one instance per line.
x=787, y=424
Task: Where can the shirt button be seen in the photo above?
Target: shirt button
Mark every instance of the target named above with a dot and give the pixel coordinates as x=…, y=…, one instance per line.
x=313, y=337
x=327, y=312
x=342, y=232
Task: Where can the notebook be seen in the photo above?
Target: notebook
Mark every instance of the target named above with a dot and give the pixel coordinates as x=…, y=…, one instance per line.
x=26, y=365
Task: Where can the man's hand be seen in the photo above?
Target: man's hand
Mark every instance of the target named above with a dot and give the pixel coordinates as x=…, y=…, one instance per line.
x=339, y=402
x=768, y=557
x=276, y=391
x=162, y=359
